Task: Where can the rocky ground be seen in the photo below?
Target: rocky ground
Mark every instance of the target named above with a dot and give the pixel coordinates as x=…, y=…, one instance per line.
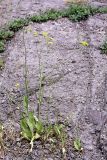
x=75, y=80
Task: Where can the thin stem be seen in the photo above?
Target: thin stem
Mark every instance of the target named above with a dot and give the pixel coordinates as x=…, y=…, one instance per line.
x=40, y=94
x=31, y=143
x=25, y=74
x=40, y=86
x=25, y=67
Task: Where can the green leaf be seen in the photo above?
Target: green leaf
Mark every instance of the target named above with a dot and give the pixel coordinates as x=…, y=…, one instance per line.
x=25, y=103
x=36, y=136
x=77, y=145
x=48, y=131
x=31, y=122
x=32, y=118
x=26, y=135
x=36, y=119
x=26, y=132
x=58, y=128
x=57, y=131
x=39, y=127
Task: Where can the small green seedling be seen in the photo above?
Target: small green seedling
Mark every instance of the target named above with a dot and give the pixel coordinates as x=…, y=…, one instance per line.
x=77, y=145
x=59, y=131
x=48, y=132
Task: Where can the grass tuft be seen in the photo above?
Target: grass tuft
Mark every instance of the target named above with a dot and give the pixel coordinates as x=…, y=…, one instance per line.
x=2, y=46
x=74, y=12
x=48, y=15
x=6, y=35
x=102, y=10
x=103, y=48
x=80, y=12
x=18, y=24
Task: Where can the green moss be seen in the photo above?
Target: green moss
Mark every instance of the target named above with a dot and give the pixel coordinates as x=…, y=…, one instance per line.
x=78, y=12
x=102, y=10
x=2, y=46
x=74, y=13
x=18, y=24
x=48, y=15
x=104, y=48
x=5, y=35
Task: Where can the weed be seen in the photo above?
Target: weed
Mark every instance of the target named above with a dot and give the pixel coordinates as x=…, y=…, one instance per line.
x=59, y=131
x=102, y=10
x=78, y=12
x=1, y=63
x=5, y=35
x=55, y=131
x=74, y=12
x=2, y=46
x=31, y=127
x=103, y=48
x=77, y=145
x=18, y=24
x=48, y=15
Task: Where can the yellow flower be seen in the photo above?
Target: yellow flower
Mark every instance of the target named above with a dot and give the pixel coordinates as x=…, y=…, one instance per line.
x=35, y=33
x=84, y=43
x=49, y=40
x=17, y=85
x=45, y=34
